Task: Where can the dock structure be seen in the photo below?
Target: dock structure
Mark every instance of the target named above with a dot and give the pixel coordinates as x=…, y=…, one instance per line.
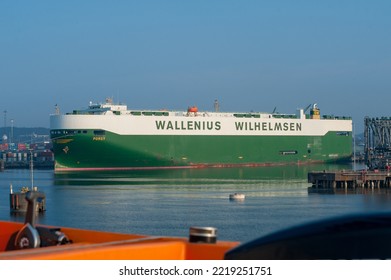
x=349, y=179
x=377, y=134
x=19, y=203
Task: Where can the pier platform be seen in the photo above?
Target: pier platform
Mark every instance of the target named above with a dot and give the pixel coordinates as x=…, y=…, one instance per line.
x=349, y=179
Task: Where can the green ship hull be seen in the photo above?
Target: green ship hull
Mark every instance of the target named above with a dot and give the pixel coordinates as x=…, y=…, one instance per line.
x=89, y=150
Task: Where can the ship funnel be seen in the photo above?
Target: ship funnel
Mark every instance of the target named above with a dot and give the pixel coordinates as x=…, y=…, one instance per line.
x=315, y=112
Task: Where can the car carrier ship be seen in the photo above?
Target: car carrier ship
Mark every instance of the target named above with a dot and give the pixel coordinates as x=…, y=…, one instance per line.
x=108, y=136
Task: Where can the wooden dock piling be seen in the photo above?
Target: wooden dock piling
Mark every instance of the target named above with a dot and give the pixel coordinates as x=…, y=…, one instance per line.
x=349, y=180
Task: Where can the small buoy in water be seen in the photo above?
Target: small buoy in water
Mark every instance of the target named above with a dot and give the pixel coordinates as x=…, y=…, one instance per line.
x=237, y=196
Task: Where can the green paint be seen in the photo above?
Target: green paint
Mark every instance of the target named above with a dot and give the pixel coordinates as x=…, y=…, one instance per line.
x=86, y=150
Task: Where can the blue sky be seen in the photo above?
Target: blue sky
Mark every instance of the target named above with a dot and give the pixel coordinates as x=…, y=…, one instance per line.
x=250, y=55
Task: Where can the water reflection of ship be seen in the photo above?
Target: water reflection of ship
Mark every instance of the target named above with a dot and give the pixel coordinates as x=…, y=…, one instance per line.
x=203, y=176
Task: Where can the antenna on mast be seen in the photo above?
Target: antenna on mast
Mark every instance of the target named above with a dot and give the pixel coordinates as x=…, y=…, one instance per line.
x=217, y=106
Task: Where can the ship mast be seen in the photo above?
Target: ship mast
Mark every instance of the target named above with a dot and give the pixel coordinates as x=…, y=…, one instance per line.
x=217, y=106
x=31, y=170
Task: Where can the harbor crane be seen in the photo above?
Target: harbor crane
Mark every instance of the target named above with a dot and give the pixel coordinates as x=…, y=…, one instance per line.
x=377, y=134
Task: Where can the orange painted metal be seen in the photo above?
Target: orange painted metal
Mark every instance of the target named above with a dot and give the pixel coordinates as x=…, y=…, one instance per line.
x=98, y=245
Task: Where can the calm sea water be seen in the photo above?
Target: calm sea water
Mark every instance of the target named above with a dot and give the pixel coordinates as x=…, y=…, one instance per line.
x=168, y=202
